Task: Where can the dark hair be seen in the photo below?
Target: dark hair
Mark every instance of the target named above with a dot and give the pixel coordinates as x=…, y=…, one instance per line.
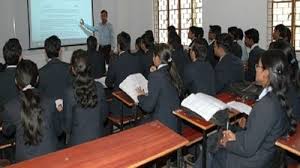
x=252, y=34
x=150, y=35
x=240, y=34
x=200, y=47
x=197, y=31
x=104, y=11
x=290, y=57
x=124, y=40
x=164, y=52
x=288, y=37
x=282, y=29
x=224, y=41
x=174, y=40
x=84, y=85
x=12, y=51
x=215, y=29
x=234, y=32
x=147, y=41
x=31, y=112
x=91, y=43
x=171, y=28
x=275, y=62
x=138, y=42
x=52, y=46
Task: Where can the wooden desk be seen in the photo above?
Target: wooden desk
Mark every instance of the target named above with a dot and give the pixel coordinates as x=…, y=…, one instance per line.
x=207, y=126
x=124, y=99
x=292, y=143
x=130, y=148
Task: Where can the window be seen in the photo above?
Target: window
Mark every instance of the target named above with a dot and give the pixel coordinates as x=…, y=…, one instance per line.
x=286, y=12
x=180, y=13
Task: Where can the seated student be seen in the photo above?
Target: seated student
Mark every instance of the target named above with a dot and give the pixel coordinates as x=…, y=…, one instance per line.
x=293, y=70
x=194, y=33
x=95, y=59
x=54, y=76
x=124, y=65
x=171, y=29
x=251, y=41
x=236, y=48
x=281, y=32
x=240, y=37
x=12, y=52
x=85, y=103
x=269, y=119
x=214, y=31
x=179, y=57
x=147, y=47
x=199, y=76
x=30, y=117
x=164, y=88
x=138, y=47
x=229, y=68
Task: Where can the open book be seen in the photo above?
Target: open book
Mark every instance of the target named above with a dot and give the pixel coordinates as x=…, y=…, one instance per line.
x=206, y=106
x=131, y=83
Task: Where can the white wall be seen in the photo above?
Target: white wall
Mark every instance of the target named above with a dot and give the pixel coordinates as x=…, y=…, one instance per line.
x=241, y=13
x=124, y=17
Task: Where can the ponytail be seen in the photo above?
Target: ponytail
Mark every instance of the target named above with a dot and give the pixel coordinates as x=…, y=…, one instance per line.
x=31, y=117
x=84, y=85
x=175, y=78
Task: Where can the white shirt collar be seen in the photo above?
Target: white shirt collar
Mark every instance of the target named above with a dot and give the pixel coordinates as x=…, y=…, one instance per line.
x=121, y=52
x=161, y=65
x=11, y=66
x=211, y=42
x=264, y=92
x=253, y=46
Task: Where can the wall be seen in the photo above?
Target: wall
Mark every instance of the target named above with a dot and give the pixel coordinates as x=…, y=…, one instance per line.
x=241, y=13
x=121, y=14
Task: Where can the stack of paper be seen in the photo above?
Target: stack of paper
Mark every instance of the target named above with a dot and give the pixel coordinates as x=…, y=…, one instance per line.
x=131, y=83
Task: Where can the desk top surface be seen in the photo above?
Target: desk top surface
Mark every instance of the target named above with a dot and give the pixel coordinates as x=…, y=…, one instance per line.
x=123, y=97
x=130, y=148
x=202, y=123
x=291, y=143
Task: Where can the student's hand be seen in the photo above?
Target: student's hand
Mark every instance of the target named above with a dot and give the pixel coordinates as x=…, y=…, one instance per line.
x=227, y=136
x=152, y=68
x=242, y=122
x=59, y=108
x=81, y=22
x=140, y=91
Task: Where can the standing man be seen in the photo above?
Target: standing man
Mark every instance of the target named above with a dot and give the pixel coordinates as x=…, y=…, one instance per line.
x=105, y=33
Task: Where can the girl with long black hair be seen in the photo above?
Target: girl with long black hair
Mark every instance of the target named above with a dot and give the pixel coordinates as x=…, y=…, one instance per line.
x=85, y=103
x=164, y=88
x=270, y=118
x=30, y=117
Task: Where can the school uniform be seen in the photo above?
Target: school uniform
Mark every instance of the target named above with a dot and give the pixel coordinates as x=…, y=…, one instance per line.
x=228, y=70
x=255, y=146
x=162, y=97
x=54, y=78
x=97, y=62
x=124, y=65
x=236, y=50
x=84, y=124
x=12, y=126
x=180, y=59
x=8, y=89
x=293, y=96
x=254, y=55
x=211, y=57
x=199, y=76
x=147, y=61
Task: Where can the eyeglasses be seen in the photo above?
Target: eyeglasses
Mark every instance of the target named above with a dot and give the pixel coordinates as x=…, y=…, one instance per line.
x=258, y=66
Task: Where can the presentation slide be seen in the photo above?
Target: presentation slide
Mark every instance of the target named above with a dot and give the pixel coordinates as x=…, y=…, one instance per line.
x=61, y=18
